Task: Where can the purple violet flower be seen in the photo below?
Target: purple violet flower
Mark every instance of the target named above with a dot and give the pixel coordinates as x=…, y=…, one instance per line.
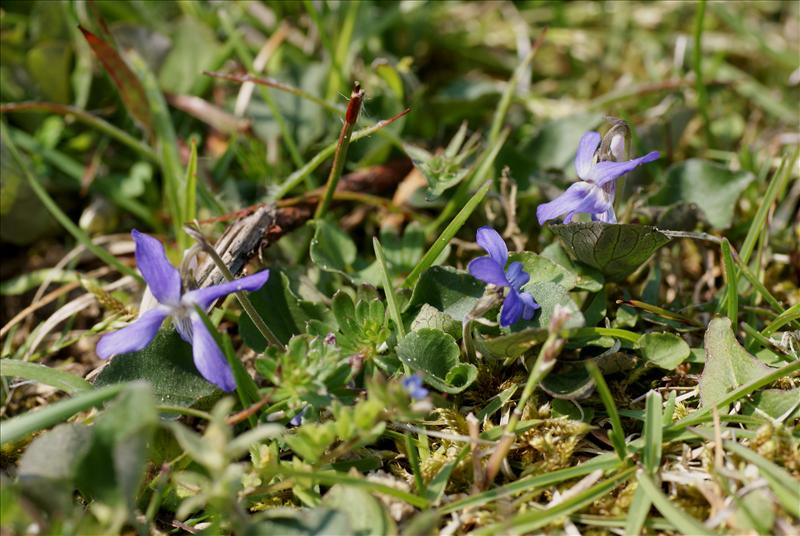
x=164, y=282
x=594, y=193
x=491, y=269
x=413, y=386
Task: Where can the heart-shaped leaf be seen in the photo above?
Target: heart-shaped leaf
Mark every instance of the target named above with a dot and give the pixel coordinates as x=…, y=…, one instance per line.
x=728, y=365
x=511, y=345
x=436, y=355
x=449, y=290
x=665, y=350
x=543, y=269
x=617, y=250
x=167, y=364
x=548, y=294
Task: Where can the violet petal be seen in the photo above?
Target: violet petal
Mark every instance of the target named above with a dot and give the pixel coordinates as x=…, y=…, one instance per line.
x=569, y=201
x=529, y=305
x=488, y=271
x=132, y=337
x=516, y=275
x=586, y=149
x=161, y=276
x=512, y=308
x=208, y=358
x=602, y=172
x=204, y=297
x=493, y=243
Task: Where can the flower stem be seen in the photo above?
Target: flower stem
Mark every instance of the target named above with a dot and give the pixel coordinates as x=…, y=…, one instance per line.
x=245, y=302
x=350, y=118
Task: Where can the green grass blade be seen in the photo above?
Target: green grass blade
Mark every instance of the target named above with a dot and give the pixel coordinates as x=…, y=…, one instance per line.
x=682, y=521
x=388, y=289
x=776, y=184
x=603, y=462
x=62, y=218
x=69, y=383
x=637, y=513
x=190, y=206
x=449, y=232
x=791, y=314
x=653, y=433
x=617, y=433
x=18, y=427
x=731, y=282
x=535, y=519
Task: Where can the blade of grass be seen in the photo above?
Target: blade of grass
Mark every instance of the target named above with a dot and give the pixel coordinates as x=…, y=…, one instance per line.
x=190, y=207
x=69, y=383
x=704, y=414
x=336, y=75
x=62, y=218
x=501, y=111
x=776, y=185
x=535, y=519
x=604, y=462
x=331, y=477
x=637, y=513
x=653, y=433
x=342, y=145
x=789, y=315
x=617, y=433
x=760, y=288
x=169, y=158
x=449, y=232
x=731, y=282
x=388, y=289
x=20, y=426
x=85, y=117
x=697, y=65
x=617, y=333
x=679, y=519
x=460, y=197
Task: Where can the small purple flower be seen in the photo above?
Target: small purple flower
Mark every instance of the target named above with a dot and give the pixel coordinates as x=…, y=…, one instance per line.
x=594, y=193
x=413, y=386
x=297, y=420
x=491, y=269
x=164, y=282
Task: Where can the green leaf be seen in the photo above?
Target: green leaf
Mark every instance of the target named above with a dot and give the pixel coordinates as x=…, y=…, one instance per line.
x=120, y=442
x=194, y=49
x=49, y=64
x=310, y=522
x=282, y=310
x=332, y=249
x=548, y=294
x=367, y=515
x=46, y=472
x=617, y=250
x=451, y=291
x=665, y=350
x=543, y=269
x=436, y=356
x=588, y=278
x=728, y=365
x=556, y=142
x=569, y=382
x=712, y=187
x=59, y=379
x=168, y=365
x=775, y=403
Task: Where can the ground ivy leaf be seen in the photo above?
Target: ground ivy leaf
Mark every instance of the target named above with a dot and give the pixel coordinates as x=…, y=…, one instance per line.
x=712, y=187
x=543, y=269
x=665, y=350
x=167, y=364
x=617, y=250
x=728, y=365
x=436, y=355
x=332, y=249
x=449, y=290
x=431, y=317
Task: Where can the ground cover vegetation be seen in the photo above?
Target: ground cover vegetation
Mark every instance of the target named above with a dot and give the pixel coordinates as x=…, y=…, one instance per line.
x=399, y=268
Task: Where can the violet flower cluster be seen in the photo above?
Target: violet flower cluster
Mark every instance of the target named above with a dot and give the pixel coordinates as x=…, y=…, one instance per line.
x=594, y=193
x=491, y=269
x=413, y=386
x=164, y=282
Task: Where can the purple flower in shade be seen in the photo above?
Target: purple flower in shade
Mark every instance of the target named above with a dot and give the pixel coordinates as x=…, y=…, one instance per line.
x=413, y=386
x=164, y=283
x=491, y=269
x=297, y=420
x=594, y=193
